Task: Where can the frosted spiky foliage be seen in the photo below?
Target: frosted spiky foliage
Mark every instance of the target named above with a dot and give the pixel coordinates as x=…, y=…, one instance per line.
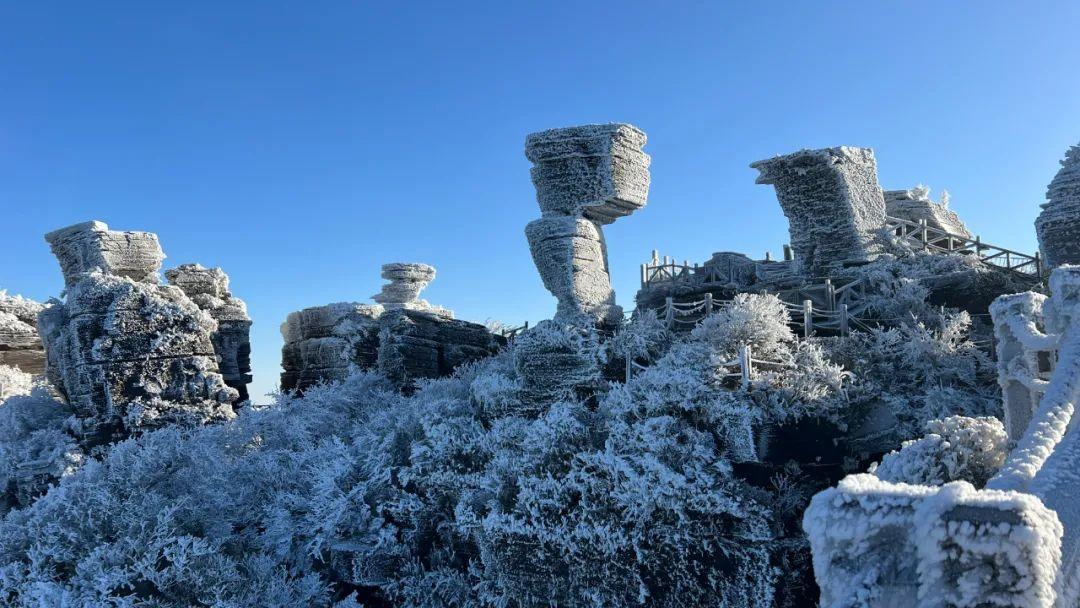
x=14, y=381
x=954, y=449
x=919, y=373
x=36, y=447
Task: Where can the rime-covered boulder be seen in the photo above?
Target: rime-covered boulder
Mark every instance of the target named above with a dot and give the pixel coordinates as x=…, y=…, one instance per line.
x=554, y=361
x=403, y=336
x=209, y=289
x=585, y=177
x=833, y=203
x=324, y=343
x=82, y=248
x=1058, y=226
x=125, y=351
x=914, y=204
x=20, y=345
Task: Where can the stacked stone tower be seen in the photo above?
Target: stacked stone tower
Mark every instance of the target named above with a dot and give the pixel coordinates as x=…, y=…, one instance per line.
x=585, y=177
x=1058, y=226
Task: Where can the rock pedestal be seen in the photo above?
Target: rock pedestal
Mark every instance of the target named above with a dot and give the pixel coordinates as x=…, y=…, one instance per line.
x=125, y=351
x=585, y=177
x=209, y=289
x=20, y=345
x=402, y=336
x=833, y=204
x=1058, y=226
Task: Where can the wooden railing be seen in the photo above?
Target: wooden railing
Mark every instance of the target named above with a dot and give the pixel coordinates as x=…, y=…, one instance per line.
x=742, y=367
x=659, y=271
x=936, y=240
x=840, y=317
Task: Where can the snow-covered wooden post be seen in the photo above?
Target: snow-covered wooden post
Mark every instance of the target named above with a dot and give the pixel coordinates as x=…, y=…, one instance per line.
x=830, y=294
x=923, y=235
x=745, y=362
x=708, y=304
x=844, y=320
x=629, y=367
x=669, y=312
x=644, y=275
x=807, y=317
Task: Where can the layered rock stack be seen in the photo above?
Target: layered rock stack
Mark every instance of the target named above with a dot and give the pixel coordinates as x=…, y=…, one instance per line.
x=1058, y=226
x=585, y=177
x=914, y=204
x=833, y=203
x=125, y=351
x=20, y=345
x=403, y=336
x=209, y=289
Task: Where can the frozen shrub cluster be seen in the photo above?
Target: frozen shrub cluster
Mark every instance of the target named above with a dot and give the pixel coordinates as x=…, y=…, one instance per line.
x=919, y=373
x=481, y=489
x=954, y=449
x=14, y=381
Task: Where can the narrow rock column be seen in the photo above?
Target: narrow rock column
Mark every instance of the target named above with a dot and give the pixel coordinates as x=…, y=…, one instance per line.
x=585, y=177
x=833, y=204
x=209, y=289
x=1058, y=226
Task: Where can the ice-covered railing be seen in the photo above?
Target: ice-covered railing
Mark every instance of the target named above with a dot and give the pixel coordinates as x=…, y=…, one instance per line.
x=1015, y=543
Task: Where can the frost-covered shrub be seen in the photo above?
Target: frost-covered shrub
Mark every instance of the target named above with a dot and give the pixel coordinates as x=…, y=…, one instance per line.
x=36, y=448
x=758, y=320
x=954, y=449
x=919, y=373
x=14, y=381
x=646, y=336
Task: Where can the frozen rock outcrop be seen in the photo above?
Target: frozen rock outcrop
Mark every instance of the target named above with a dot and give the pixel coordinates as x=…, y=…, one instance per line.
x=20, y=345
x=1058, y=226
x=209, y=289
x=125, y=351
x=585, y=177
x=90, y=246
x=404, y=337
x=914, y=204
x=833, y=203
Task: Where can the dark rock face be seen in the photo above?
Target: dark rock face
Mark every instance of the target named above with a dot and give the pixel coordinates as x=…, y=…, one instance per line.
x=585, y=177
x=833, y=204
x=404, y=337
x=209, y=289
x=128, y=353
x=20, y=345
x=323, y=343
x=1058, y=226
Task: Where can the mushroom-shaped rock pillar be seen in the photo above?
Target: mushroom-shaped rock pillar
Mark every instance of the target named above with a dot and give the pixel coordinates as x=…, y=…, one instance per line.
x=1058, y=226
x=585, y=177
x=407, y=280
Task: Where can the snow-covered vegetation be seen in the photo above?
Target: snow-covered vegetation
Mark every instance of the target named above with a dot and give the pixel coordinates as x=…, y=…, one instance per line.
x=477, y=489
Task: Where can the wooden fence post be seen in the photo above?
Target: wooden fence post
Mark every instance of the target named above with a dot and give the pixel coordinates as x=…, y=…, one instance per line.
x=978, y=246
x=844, y=320
x=923, y=236
x=708, y=304
x=629, y=367
x=745, y=362
x=787, y=253
x=830, y=294
x=669, y=316
x=808, y=317
x=1038, y=266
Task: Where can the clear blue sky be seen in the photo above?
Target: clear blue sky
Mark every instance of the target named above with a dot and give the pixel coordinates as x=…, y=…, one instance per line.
x=301, y=145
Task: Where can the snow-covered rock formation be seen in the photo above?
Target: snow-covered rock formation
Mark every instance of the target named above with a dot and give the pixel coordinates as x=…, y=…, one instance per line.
x=1015, y=543
x=585, y=177
x=20, y=345
x=833, y=202
x=914, y=205
x=1058, y=226
x=403, y=336
x=209, y=289
x=125, y=351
